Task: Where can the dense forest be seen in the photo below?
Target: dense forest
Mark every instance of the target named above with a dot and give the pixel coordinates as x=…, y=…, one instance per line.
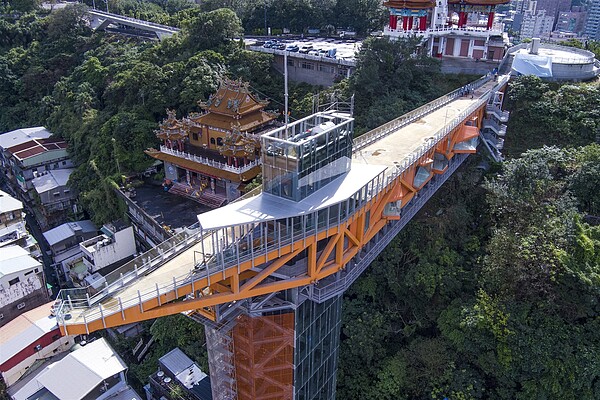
x=490, y=293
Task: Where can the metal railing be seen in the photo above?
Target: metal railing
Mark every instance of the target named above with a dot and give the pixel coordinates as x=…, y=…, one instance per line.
x=497, y=127
x=389, y=127
x=209, y=162
x=497, y=27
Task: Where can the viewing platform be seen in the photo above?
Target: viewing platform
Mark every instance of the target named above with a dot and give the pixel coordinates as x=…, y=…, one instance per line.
x=266, y=243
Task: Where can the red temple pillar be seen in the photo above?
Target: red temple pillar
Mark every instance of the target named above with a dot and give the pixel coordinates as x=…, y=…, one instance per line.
x=410, y=23
x=490, y=20
x=393, y=21
x=404, y=23
x=423, y=23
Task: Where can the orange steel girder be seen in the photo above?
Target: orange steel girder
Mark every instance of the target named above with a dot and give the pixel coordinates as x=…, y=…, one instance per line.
x=243, y=281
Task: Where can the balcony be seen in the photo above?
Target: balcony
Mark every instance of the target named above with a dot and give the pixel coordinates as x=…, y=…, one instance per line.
x=209, y=162
x=477, y=31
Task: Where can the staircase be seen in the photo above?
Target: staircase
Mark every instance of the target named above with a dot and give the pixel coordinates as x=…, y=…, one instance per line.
x=205, y=197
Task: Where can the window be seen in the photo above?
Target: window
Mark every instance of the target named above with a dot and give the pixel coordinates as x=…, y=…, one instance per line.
x=37, y=348
x=212, y=140
x=64, y=163
x=55, y=337
x=14, y=281
x=55, y=165
x=21, y=306
x=66, y=191
x=29, y=273
x=220, y=141
x=56, y=194
x=1, y=317
x=290, y=62
x=326, y=68
x=307, y=65
x=195, y=136
x=36, y=270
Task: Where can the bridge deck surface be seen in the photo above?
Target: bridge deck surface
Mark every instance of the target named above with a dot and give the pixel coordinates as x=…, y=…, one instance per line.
x=406, y=140
x=386, y=151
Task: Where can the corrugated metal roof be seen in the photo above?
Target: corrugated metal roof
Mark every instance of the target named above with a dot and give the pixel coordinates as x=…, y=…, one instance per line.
x=81, y=371
x=9, y=203
x=24, y=330
x=175, y=361
x=14, y=259
x=67, y=230
x=52, y=180
x=20, y=136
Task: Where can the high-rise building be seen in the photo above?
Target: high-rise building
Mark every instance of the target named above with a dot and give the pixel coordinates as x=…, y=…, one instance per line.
x=592, y=26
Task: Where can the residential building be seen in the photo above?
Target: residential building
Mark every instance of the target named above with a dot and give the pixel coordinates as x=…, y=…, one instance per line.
x=111, y=249
x=32, y=336
x=211, y=156
x=92, y=371
x=22, y=283
x=12, y=225
x=64, y=243
x=176, y=369
x=571, y=21
x=536, y=24
x=55, y=199
x=592, y=25
x=12, y=222
x=26, y=153
x=450, y=28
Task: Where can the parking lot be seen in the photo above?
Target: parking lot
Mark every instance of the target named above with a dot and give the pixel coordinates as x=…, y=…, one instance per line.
x=345, y=49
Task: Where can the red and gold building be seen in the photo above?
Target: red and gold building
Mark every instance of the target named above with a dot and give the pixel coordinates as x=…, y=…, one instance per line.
x=211, y=156
x=453, y=28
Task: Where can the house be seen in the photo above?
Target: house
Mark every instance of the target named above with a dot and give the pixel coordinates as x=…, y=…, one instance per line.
x=64, y=243
x=22, y=283
x=113, y=248
x=92, y=371
x=178, y=370
x=12, y=220
x=25, y=153
x=54, y=197
x=210, y=157
x=32, y=336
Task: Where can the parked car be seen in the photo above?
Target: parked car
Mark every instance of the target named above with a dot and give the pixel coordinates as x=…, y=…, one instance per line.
x=306, y=48
x=313, y=52
x=323, y=52
x=279, y=46
x=270, y=43
x=293, y=48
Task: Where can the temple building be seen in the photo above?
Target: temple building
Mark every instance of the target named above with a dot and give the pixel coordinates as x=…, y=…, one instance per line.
x=453, y=28
x=211, y=156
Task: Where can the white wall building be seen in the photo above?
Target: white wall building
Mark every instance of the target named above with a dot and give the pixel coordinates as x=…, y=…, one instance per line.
x=115, y=245
x=536, y=24
x=22, y=284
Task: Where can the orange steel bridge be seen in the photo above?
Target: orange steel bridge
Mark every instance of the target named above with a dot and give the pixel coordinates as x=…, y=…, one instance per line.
x=322, y=217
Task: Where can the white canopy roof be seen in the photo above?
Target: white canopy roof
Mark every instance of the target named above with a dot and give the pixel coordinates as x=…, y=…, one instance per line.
x=267, y=207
